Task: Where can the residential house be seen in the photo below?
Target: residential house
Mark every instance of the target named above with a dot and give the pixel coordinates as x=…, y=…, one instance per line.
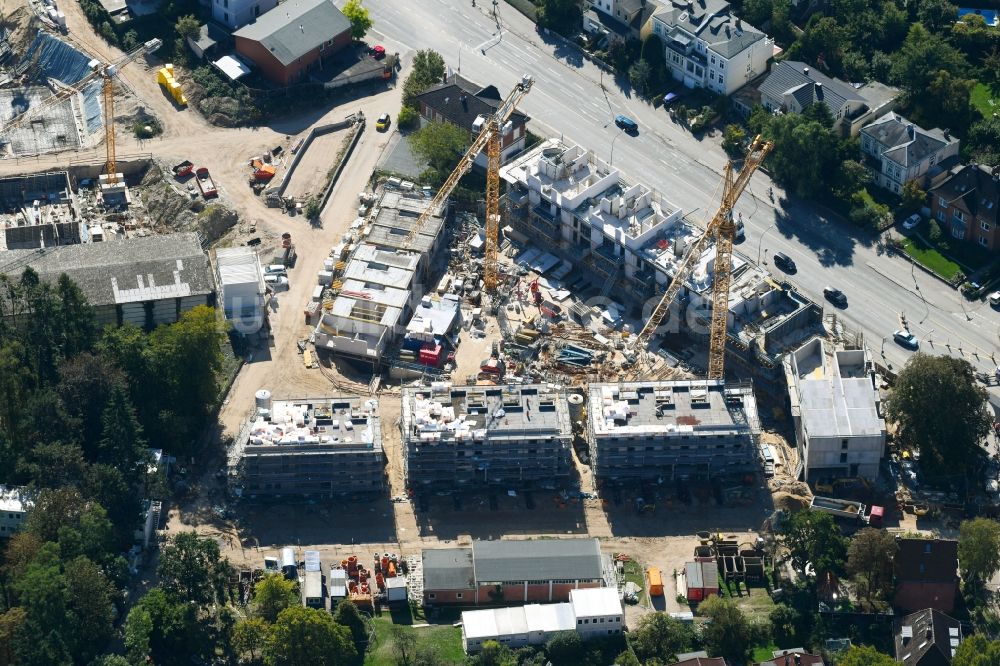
x=926, y=574
x=698, y=659
x=926, y=638
x=513, y=571
x=289, y=41
x=792, y=86
x=836, y=411
x=966, y=204
x=234, y=14
x=626, y=18
x=901, y=151
x=707, y=46
x=460, y=102
x=793, y=657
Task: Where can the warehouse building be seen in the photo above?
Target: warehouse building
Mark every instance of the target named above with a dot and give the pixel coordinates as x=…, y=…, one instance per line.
x=592, y=613
x=457, y=437
x=492, y=572
x=316, y=448
x=666, y=430
x=143, y=281
x=837, y=412
x=241, y=285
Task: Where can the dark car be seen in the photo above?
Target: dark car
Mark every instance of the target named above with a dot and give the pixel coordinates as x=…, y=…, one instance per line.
x=906, y=339
x=784, y=262
x=626, y=124
x=835, y=296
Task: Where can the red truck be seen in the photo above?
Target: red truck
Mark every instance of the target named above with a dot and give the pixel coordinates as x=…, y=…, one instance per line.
x=206, y=184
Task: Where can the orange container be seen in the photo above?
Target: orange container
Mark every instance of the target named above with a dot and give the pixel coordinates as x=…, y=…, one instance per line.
x=392, y=570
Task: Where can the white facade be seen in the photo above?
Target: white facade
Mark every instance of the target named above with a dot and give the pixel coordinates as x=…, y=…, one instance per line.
x=234, y=14
x=709, y=47
x=836, y=410
x=590, y=612
x=241, y=284
x=903, y=151
x=14, y=507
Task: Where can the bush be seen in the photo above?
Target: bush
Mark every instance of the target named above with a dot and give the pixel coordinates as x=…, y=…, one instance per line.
x=408, y=118
x=934, y=231
x=312, y=209
x=732, y=138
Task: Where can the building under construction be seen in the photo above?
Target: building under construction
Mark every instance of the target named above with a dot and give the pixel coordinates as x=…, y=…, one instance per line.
x=315, y=447
x=668, y=430
x=38, y=210
x=466, y=437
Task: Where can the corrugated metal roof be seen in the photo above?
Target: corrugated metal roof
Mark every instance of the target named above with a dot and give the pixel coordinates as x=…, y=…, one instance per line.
x=295, y=28
x=551, y=559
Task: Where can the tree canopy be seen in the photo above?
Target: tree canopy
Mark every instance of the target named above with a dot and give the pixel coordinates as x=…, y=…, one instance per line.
x=939, y=408
x=442, y=144
x=979, y=549
x=977, y=650
x=728, y=634
x=357, y=14
x=273, y=594
x=811, y=536
x=428, y=69
x=865, y=655
x=661, y=637
x=192, y=569
x=870, y=560
x=305, y=637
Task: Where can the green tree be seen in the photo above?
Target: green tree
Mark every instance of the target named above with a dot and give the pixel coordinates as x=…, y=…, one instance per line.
x=921, y=57
x=661, y=637
x=865, y=211
x=946, y=102
x=361, y=22
x=408, y=118
x=250, y=637
x=982, y=144
x=784, y=623
x=851, y=178
x=936, y=15
x=111, y=660
x=811, y=536
x=492, y=654
x=122, y=443
x=441, y=144
x=870, y=560
x=979, y=549
x=273, y=594
x=78, y=325
x=404, y=643
x=728, y=634
x=346, y=614
x=640, y=75
x=977, y=650
x=939, y=408
x=757, y=12
x=864, y=655
x=306, y=636
x=804, y=151
x=733, y=137
x=560, y=15
x=192, y=568
x=166, y=629
x=627, y=658
x=428, y=69
x=188, y=27
x=913, y=197
x=565, y=649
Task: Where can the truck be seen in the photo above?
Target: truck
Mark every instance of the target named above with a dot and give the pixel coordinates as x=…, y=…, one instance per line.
x=206, y=184
x=849, y=509
x=183, y=169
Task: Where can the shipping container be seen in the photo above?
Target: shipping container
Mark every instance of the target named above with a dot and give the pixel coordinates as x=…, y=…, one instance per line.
x=655, y=582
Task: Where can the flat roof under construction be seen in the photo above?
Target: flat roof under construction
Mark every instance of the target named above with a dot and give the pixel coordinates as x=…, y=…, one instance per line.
x=55, y=129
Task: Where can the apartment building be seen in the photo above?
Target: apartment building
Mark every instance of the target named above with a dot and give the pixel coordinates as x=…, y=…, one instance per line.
x=708, y=46
x=900, y=151
x=836, y=410
x=457, y=437
x=967, y=202
x=314, y=447
x=671, y=429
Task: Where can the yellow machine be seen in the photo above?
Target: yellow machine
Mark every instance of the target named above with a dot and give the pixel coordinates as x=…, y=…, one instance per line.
x=165, y=77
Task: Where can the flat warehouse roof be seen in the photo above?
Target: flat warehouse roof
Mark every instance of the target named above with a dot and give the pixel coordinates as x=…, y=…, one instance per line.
x=551, y=559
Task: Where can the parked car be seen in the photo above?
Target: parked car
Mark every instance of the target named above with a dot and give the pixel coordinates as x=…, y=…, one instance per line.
x=835, y=296
x=383, y=122
x=626, y=123
x=377, y=51
x=995, y=299
x=784, y=262
x=276, y=281
x=275, y=269
x=906, y=339
x=912, y=221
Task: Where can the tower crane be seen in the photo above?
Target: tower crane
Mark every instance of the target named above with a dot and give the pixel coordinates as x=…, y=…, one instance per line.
x=493, y=129
x=722, y=229
x=98, y=70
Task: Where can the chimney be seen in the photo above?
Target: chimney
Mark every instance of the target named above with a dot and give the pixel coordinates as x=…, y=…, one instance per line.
x=739, y=24
x=910, y=132
x=465, y=101
x=996, y=174
x=788, y=660
x=805, y=70
x=947, y=134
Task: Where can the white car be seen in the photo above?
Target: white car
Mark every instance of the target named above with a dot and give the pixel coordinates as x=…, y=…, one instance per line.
x=995, y=299
x=911, y=222
x=276, y=282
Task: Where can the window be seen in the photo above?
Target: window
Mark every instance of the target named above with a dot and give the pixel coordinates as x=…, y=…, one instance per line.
x=843, y=445
x=722, y=64
x=843, y=458
x=985, y=226
x=711, y=76
x=579, y=621
x=431, y=595
x=458, y=595
x=942, y=203
x=713, y=60
x=984, y=241
x=958, y=231
x=940, y=216
x=225, y=17
x=256, y=10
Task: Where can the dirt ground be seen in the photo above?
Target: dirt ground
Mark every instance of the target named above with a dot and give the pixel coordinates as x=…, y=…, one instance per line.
x=311, y=174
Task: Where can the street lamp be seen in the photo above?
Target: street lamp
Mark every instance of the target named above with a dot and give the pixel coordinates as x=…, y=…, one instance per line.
x=760, y=240
x=612, y=160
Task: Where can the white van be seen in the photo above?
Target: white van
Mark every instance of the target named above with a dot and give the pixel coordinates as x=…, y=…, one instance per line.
x=275, y=269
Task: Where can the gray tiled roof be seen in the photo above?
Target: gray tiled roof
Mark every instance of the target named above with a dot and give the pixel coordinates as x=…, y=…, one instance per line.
x=712, y=21
x=447, y=569
x=975, y=185
x=932, y=637
x=549, y=559
x=296, y=27
x=446, y=99
x=893, y=132
x=799, y=80
x=128, y=271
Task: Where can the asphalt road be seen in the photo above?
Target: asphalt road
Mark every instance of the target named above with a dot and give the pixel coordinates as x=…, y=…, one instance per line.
x=573, y=98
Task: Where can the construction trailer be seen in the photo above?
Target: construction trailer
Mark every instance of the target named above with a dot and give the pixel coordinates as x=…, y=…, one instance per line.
x=313, y=595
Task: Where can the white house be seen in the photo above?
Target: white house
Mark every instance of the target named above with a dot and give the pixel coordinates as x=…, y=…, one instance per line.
x=902, y=151
x=707, y=46
x=836, y=411
x=234, y=14
x=14, y=505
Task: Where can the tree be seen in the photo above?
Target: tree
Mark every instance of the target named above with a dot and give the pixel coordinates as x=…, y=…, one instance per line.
x=936, y=15
x=728, y=634
x=441, y=144
x=982, y=144
x=192, y=568
x=784, y=622
x=560, y=15
x=188, y=27
x=811, y=536
x=757, y=12
x=273, y=594
x=306, y=636
x=166, y=629
x=921, y=57
x=870, y=560
x=979, y=549
x=865, y=211
x=346, y=614
x=428, y=69
x=361, y=22
x=403, y=643
x=313, y=208
x=111, y=660
x=627, y=658
x=977, y=650
x=804, y=151
x=250, y=637
x=864, y=655
x=565, y=649
x=913, y=197
x=733, y=137
x=661, y=637
x=122, y=443
x=939, y=408
x=493, y=654
x=640, y=74
x=946, y=102
x=408, y=118
x=78, y=326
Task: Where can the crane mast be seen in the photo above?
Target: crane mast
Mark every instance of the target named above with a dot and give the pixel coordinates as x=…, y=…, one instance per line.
x=489, y=139
x=721, y=229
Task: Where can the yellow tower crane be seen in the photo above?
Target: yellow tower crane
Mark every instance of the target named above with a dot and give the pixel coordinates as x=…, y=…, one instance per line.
x=493, y=129
x=721, y=229
x=98, y=70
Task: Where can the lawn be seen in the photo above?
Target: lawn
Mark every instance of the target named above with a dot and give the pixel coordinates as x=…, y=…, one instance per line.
x=635, y=574
x=765, y=653
x=445, y=639
x=986, y=99
x=925, y=255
